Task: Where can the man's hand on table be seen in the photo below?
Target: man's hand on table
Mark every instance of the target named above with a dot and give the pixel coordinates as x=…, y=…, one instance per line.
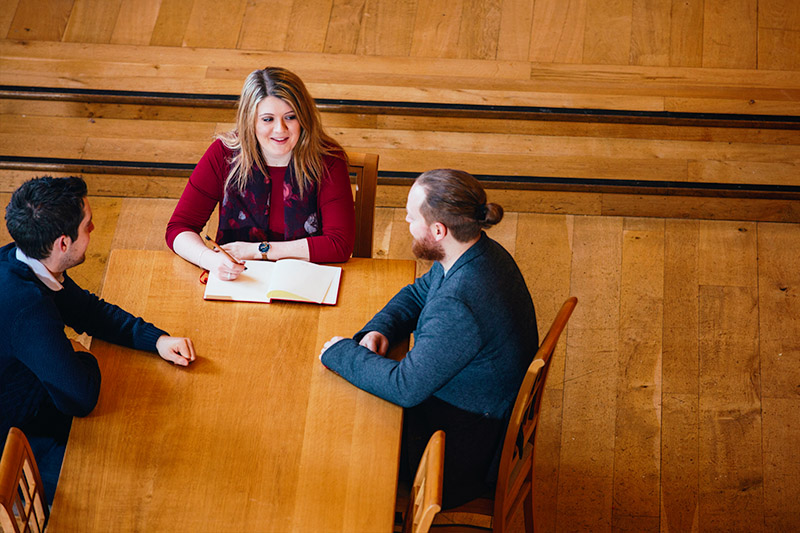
x=178, y=350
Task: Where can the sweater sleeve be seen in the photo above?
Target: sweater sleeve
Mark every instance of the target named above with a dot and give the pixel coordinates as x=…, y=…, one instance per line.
x=72, y=379
x=337, y=214
x=202, y=193
x=86, y=313
x=398, y=318
x=446, y=341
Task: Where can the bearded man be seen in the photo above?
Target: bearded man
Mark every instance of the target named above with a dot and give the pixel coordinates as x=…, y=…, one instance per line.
x=475, y=335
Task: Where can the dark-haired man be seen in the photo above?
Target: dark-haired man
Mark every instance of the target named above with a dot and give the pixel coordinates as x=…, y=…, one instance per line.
x=45, y=381
x=474, y=330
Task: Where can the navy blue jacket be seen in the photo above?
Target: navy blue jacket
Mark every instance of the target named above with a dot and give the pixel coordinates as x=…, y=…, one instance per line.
x=38, y=365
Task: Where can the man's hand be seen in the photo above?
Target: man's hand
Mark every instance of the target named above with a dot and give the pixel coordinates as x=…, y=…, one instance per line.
x=178, y=350
x=377, y=342
x=328, y=344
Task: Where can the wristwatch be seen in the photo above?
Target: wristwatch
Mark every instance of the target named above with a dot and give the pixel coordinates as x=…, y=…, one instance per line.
x=264, y=248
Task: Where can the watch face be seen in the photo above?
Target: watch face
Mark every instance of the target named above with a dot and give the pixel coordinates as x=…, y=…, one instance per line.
x=263, y=247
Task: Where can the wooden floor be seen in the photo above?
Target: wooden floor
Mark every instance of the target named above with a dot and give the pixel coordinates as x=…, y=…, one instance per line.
x=672, y=404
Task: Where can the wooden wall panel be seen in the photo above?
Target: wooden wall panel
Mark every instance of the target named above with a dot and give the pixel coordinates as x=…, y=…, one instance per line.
x=637, y=443
x=729, y=34
x=215, y=23
x=686, y=33
x=516, y=20
x=388, y=28
x=172, y=21
x=776, y=49
x=7, y=17
x=585, y=482
x=480, y=29
x=92, y=21
x=558, y=31
x=544, y=255
x=265, y=25
x=135, y=22
x=344, y=26
x=308, y=26
x=607, y=38
x=31, y=22
x=650, y=32
x=436, y=29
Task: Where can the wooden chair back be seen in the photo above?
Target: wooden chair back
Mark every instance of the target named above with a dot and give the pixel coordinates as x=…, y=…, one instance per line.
x=365, y=169
x=425, y=499
x=515, y=478
x=23, y=506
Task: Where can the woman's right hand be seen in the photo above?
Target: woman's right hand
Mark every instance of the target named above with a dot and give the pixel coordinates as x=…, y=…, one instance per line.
x=219, y=265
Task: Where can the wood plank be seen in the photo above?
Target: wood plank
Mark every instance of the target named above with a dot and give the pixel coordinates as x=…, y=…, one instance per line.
x=344, y=26
x=388, y=28
x=637, y=443
x=700, y=207
x=382, y=232
x=31, y=22
x=135, y=22
x=778, y=14
x=5, y=237
x=92, y=21
x=731, y=477
x=686, y=33
x=480, y=29
x=558, y=31
x=308, y=25
x=516, y=21
x=753, y=172
x=776, y=49
x=505, y=232
x=680, y=358
x=101, y=127
x=214, y=23
x=574, y=129
x=7, y=17
x=142, y=224
x=679, y=462
x=779, y=309
x=91, y=273
x=729, y=33
x=585, y=481
x=264, y=26
x=781, y=430
x=436, y=29
x=171, y=24
x=650, y=32
x=607, y=33
x=727, y=254
x=543, y=252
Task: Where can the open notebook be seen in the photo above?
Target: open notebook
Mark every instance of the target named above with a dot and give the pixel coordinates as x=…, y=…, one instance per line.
x=286, y=279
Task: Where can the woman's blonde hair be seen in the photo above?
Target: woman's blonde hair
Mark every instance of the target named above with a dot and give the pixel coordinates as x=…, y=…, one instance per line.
x=311, y=147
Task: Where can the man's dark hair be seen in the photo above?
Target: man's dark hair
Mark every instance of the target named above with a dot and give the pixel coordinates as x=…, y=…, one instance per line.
x=42, y=210
x=456, y=199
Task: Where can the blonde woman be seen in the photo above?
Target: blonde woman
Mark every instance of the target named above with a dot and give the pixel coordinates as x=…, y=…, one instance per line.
x=281, y=183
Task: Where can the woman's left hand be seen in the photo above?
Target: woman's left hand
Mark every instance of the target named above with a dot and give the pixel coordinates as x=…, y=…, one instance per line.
x=243, y=250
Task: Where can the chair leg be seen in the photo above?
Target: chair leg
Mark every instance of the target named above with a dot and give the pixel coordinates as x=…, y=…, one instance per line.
x=527, y=507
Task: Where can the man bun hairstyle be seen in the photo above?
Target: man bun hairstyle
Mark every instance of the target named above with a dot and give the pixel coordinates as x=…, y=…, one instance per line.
x=42, y=210
x=458, y=200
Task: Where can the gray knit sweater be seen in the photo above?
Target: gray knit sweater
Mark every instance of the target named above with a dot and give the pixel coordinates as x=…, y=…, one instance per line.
x=474, y=336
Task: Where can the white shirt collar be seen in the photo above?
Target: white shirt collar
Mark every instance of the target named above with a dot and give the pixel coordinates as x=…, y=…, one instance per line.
x=41, y=272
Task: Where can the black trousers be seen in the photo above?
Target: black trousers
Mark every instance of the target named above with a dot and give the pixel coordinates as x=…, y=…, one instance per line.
x=472, y=448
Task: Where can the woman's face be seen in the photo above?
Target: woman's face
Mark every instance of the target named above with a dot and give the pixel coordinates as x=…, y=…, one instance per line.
x=277, y=130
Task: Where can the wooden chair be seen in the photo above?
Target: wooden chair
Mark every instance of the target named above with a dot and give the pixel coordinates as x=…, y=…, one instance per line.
x=515, y=477
x=23, y=507
x=425, y=499
x=365, y=168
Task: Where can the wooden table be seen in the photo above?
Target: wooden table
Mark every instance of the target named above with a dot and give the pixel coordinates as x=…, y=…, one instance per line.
x=256, y=435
